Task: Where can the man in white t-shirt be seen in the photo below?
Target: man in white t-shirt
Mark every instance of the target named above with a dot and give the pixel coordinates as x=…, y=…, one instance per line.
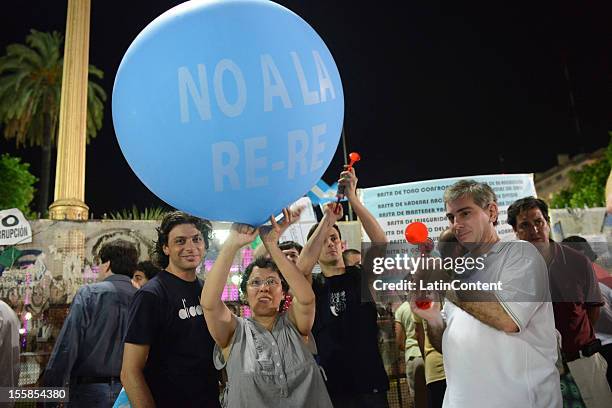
x=499, y=347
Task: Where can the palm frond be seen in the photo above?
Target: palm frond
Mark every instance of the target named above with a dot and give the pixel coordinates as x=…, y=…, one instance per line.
x=30, y=88
x=46, y=44
x=95, y=71
x=151, y=213
x=25, y=54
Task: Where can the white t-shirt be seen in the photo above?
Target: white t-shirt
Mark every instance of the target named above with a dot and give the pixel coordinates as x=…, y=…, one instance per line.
x=489, y=368
x=9, y=346
x=604, y=324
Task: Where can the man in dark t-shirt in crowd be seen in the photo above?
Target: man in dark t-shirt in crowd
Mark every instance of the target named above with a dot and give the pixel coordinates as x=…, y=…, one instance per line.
x=345, y=328
x=167, y=361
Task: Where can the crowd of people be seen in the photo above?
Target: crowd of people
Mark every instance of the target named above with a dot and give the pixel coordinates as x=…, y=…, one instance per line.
x=169, y=340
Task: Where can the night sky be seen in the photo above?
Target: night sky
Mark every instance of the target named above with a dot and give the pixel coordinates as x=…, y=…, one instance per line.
x=432, y=89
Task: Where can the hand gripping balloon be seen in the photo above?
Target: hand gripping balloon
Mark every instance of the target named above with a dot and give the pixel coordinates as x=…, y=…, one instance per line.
x=354, y=157
x=416, y=233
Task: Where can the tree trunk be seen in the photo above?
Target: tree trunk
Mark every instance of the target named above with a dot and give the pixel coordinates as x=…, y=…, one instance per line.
x=45, y=168
x=609, y=193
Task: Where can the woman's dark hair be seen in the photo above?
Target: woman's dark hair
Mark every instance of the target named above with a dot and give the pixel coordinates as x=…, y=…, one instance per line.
x=263, y=263
x=122, y=255
x=170, y=221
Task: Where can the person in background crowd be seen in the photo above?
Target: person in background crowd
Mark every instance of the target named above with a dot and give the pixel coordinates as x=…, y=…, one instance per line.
x=291, y=249
x=345, y=328
x=497, y=353
x=576, y=301
x=267, y=361
x=168, y=350
x=145, y=271
x=603, y=327
x=9, y=346
x=581, y=245
x=415, y=367
x=88, y=352
x=351, y=257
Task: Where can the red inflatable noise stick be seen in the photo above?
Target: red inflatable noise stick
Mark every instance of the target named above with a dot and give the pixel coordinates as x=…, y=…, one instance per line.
x=354, y=157
x=423, y=303
x=416, y=233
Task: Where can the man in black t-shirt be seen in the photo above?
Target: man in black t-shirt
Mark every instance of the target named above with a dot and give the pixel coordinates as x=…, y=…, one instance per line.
x=167, y=360
x=345, y=328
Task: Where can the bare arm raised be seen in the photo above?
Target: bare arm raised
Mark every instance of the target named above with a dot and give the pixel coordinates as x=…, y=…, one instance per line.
x=311, y=251
x=348, y=178
x=302, y=309
x=220, y=320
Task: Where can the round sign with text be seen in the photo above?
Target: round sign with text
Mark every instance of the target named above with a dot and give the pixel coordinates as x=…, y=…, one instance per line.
x=229, y=110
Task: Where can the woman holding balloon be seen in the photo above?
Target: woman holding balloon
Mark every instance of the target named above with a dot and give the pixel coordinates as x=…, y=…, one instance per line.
x=266, y=356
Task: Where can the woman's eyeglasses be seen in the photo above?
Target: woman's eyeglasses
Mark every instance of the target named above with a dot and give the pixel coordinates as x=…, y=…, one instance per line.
x=258, y=283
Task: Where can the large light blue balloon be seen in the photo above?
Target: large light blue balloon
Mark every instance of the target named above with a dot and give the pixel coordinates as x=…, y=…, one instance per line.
x=229, y=110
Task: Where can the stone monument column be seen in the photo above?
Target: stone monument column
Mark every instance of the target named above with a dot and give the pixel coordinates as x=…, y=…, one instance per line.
x=70, y=171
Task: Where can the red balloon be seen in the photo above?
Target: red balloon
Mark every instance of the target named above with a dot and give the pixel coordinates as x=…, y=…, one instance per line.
x=416, y=233
x=423, y=304
x=354, y=157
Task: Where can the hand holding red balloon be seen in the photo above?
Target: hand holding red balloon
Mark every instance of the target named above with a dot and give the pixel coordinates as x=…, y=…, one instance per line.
x=416, y=233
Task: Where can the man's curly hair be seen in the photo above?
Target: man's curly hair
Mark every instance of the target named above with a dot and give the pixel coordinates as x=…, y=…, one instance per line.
x=170, y=221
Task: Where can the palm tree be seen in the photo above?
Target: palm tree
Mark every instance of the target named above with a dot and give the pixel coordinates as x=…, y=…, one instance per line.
x=30, y=89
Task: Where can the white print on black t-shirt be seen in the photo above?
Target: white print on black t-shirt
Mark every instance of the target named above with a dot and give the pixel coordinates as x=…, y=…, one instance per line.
x=189, y=312
x=337, y=302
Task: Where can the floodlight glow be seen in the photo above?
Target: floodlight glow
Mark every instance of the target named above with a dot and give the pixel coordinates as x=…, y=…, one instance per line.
x=221, y=235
